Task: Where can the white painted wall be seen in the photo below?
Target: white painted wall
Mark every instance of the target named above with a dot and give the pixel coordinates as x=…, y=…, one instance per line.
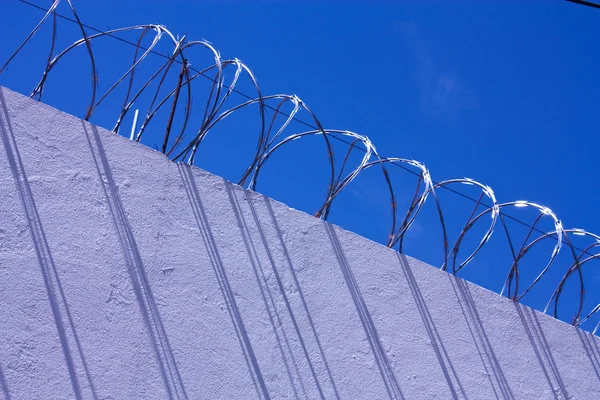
x=126, y=276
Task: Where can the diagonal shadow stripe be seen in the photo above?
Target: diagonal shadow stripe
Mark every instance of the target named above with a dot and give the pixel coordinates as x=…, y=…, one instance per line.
x=169, y=371
x=224, y=284
x=56, y=295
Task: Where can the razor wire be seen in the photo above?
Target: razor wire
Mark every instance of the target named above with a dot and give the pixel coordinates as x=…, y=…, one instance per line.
x=182, y=146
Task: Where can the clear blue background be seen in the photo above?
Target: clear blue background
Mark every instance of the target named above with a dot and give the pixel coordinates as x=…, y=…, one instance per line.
x=505, y=92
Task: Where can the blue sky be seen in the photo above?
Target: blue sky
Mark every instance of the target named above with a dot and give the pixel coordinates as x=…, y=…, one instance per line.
x=502, y=92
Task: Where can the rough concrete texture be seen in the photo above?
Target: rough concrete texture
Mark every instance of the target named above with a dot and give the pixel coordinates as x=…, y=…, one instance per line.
x=126, y=276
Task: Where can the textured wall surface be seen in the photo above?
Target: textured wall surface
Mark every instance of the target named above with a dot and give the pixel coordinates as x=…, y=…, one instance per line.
x=126, y=276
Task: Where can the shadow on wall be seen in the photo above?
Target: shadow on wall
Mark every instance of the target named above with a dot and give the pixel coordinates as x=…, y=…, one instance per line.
x=493, y=369
x=219, y=268
x=63, y=320
x=300, y=292
x=542, y=350
x=276, y=293
x=164, y=354
x=385, y=368
x=272, y=296
x=592, y=350
x=306, y=367
x=3, y=387
x=450, y=374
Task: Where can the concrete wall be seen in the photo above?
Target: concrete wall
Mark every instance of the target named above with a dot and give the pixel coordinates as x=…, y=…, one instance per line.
x=126, y=276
